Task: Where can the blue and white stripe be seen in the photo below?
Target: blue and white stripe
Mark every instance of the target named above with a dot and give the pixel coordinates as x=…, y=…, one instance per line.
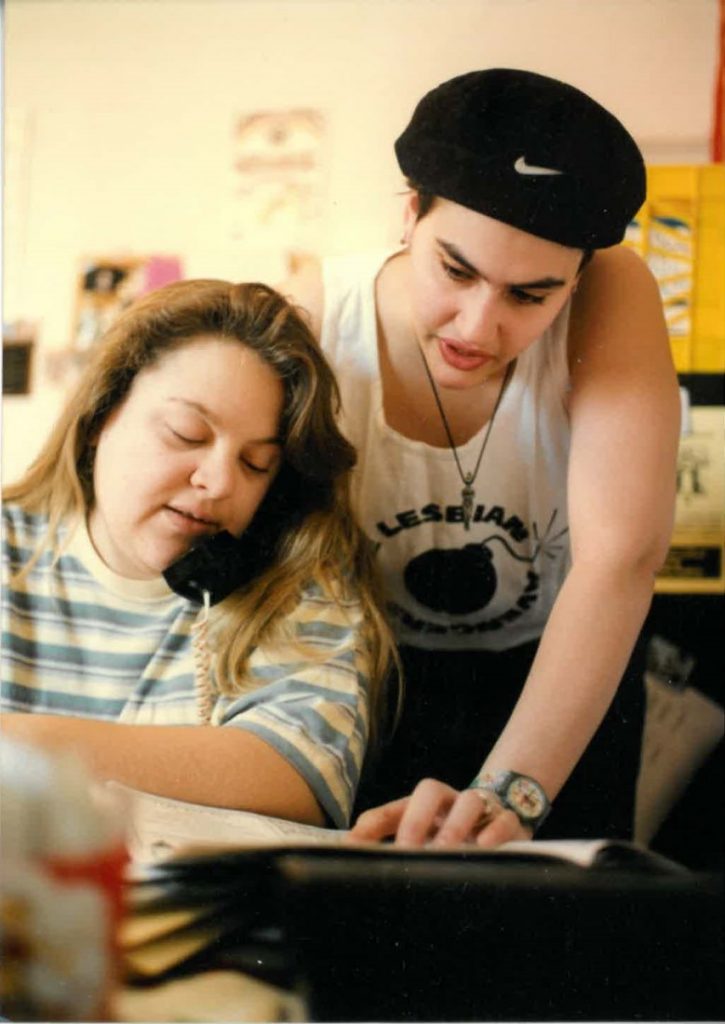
x=79, y=640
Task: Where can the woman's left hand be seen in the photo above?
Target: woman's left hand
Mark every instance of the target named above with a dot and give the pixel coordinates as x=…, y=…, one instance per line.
x=438, y=815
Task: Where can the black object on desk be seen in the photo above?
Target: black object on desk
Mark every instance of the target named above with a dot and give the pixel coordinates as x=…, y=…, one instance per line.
x=411, y=938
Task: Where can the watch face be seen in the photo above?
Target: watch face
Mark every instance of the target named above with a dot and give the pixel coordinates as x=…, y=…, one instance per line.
x=526, y=797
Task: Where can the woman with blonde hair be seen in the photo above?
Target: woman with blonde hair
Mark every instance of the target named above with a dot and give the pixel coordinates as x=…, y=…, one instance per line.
x=188, y=601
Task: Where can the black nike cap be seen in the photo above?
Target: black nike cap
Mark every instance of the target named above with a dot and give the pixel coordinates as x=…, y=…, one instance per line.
x=527, y=150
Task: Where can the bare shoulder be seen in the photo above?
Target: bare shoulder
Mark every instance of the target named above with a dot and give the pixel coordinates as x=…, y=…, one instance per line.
x=620, y=357
x=618, y=305
x=616, y=282
x=303, y=287
x=619, y=259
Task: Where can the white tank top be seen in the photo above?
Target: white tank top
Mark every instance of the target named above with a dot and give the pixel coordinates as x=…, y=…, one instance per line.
x=490, y=587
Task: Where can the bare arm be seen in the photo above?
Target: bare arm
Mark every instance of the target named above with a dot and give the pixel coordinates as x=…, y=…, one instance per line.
x=625, y=417
x=221, y=767
x=624, y=411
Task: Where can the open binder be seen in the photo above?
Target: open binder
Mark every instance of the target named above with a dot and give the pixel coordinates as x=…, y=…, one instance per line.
x=164, y=830
x=300, y=908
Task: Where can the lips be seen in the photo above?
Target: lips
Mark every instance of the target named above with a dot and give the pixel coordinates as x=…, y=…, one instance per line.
x=462, y=357
x=190, y=523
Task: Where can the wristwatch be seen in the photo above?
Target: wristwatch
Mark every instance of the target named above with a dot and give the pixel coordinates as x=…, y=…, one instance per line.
x=520, y=794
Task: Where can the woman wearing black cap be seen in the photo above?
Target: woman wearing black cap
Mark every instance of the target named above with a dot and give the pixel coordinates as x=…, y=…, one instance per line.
x=515, y=410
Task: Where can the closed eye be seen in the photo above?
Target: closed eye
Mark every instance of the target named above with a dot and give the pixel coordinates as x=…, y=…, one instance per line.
x=454, y=272
x=186, y=439
x=255, y=468
x=527, y=298
x=261, y=458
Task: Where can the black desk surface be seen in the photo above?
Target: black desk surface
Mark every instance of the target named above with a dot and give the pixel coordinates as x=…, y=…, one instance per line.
x=410, y=938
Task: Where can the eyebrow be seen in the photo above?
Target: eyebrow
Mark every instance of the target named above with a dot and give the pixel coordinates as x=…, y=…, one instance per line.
x=209, y=415
x=540, y=283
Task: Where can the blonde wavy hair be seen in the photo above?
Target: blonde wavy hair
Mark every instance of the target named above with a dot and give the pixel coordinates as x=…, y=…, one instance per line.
x=317, y=539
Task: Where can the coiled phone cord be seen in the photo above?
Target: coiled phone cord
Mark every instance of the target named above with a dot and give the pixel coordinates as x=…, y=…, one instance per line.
x=202, y=664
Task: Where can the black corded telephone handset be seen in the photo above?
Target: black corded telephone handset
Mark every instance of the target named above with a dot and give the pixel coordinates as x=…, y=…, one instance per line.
x=221, y=563
x=218, y=564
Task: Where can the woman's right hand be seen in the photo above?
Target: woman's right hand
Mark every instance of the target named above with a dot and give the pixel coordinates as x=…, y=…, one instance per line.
x=435, y=814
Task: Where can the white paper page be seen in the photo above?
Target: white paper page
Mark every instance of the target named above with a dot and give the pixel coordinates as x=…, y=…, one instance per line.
x=160, y=827
x=577, y=851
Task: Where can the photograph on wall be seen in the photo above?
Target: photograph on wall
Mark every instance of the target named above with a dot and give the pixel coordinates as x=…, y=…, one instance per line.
x=107, y=285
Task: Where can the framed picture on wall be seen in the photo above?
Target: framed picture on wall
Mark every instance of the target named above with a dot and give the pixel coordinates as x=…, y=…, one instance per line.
x=280, y=166
x=107, y=285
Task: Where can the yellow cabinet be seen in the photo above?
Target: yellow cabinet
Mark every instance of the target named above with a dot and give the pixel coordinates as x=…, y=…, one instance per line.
x=680, y=232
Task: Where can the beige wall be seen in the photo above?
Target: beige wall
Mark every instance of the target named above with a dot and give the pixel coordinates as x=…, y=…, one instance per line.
x=128, y=108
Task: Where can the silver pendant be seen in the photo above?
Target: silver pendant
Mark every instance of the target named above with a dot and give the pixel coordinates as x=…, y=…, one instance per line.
x=467, y=497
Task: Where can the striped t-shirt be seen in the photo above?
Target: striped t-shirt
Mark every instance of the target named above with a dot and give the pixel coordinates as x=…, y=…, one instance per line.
x=80, y=640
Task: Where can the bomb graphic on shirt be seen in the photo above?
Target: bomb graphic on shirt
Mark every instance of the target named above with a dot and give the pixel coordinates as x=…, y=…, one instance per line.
x=461, y=581
x=457, y=581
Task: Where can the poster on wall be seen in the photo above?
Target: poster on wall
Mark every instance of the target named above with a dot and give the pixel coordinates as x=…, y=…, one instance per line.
x=107, y=285
x=279, y=166
x=104, y=287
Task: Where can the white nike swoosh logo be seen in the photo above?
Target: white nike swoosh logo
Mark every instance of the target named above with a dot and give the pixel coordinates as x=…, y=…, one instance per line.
x=523, y=168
